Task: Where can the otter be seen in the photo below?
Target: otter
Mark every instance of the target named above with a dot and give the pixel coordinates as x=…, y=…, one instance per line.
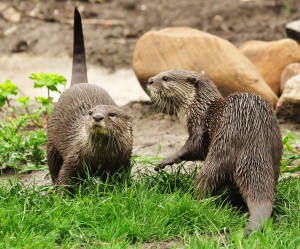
x=87, y=131
x=238, y=138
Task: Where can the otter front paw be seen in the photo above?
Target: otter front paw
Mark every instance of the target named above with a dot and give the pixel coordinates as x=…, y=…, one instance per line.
x=168, y=161
x=161, y=165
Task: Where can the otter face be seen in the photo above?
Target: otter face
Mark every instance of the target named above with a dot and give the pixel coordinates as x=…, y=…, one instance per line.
x=172, y=88
x=107, y=120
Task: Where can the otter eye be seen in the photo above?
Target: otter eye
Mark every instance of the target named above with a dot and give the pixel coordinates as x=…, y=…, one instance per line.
x=165, y=78
x=90, y=113
x=112, y=114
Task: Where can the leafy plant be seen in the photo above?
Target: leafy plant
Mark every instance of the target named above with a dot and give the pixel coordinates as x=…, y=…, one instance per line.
x=7, y=88
x=21, y=149
x=40, y=115
x=291, y=158
x=51, y=82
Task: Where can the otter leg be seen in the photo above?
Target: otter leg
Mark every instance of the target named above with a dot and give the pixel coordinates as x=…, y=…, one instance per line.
x=174, y=158
x=193, y=149
x=255, y=180
x=54, y=159
x=69, y=169
x=211, y=176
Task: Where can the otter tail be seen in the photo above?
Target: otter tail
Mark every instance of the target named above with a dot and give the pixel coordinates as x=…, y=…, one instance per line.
x=79, y=71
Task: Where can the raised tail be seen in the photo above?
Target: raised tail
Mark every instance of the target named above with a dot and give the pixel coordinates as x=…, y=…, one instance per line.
x=79, y=71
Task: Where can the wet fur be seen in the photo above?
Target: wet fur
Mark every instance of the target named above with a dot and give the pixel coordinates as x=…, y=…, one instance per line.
x=238, y=137
x=74, y=144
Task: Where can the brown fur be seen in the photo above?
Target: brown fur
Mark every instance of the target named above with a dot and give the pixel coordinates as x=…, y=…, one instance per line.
x=238, y=137
x=86, y=127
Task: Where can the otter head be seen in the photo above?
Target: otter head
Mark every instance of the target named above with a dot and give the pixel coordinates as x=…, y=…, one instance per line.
x=183, y=91
x=108, y=120
x=172, y=88
x=181, y=88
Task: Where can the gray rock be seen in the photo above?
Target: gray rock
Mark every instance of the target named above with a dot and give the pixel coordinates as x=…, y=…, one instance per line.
x=288, y=106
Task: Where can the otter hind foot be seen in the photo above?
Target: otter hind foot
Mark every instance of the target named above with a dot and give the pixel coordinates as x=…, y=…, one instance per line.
x=260, y=212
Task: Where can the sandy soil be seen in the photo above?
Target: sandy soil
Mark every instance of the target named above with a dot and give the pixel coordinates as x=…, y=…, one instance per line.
x=36, y=36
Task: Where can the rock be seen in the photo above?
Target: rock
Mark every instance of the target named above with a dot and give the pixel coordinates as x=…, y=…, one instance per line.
x=292, y=30
x=270, y=58
x=288, y=72
x=288, y=106
x=20, y=46
x=191, y=49
x=12, y=15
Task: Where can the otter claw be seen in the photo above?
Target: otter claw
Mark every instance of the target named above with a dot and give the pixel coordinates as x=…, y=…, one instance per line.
x=168, y=161
x=159, y=166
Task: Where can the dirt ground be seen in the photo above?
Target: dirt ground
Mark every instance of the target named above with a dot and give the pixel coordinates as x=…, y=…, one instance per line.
x=43, y=29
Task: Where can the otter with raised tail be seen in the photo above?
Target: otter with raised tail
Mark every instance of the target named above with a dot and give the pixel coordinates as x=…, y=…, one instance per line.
x=87, y=132
x=238, y=138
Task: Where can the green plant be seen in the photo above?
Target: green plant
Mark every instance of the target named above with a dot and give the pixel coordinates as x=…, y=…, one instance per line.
x=51, y=82
x=6, y=89
x=40, y=115
x=21, y=149
x=291, y=158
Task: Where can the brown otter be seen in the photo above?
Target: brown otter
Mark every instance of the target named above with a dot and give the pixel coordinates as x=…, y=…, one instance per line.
x=238, y=137
x=86, y=127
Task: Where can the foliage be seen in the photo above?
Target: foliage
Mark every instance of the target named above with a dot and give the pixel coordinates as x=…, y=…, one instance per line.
x=6, y=89
x=51, y=82
x=21, y=149
x=291, y=158
x=40, y=115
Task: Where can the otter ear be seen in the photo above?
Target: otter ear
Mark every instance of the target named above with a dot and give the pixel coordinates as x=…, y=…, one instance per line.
x=192, y=79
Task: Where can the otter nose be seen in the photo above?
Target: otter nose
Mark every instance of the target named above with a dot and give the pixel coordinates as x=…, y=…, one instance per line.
x=97, y=117
x=150, y=81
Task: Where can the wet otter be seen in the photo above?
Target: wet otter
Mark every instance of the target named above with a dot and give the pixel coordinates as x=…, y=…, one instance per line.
x=238, y=137
x=86, y=127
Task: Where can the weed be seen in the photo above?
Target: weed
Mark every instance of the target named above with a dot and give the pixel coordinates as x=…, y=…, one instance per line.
x=40, y=115
x=21, y=149
x=290, y=162
x=51, y=82
x=7, y=89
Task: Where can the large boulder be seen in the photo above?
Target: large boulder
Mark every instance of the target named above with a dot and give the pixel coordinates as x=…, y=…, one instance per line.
x=270, y=58
x=191, y=49
x=288, y=72
x=288, y=106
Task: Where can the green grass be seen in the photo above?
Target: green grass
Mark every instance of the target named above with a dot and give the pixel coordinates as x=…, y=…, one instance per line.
x=152, y=208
